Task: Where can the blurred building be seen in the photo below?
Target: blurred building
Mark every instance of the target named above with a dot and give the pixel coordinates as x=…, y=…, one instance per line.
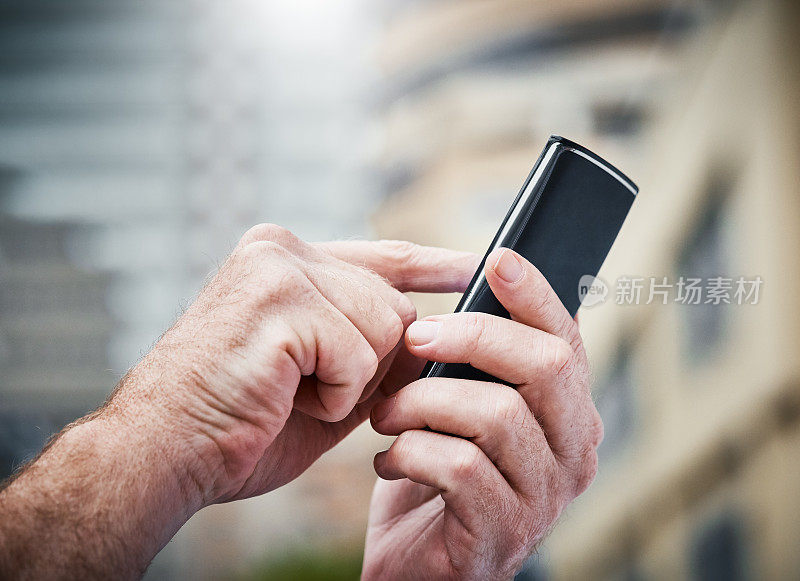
x=697, y=102
x=474, y=89
x=138, y=141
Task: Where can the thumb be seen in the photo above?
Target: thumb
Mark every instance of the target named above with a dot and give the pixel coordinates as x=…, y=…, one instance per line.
x=407, y=266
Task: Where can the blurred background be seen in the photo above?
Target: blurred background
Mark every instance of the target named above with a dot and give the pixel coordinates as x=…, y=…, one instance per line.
x=140, y=139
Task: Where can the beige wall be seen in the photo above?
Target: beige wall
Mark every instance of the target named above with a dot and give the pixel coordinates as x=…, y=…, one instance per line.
x=713, y=436
x=694, y=420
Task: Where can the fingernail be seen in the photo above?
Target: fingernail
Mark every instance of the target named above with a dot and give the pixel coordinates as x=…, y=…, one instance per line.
x=423, y=332
x=508, y=267
x=382, y=409
x=379, y=462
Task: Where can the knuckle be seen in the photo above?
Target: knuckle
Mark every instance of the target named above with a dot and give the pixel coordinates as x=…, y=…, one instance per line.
x=587, y=469
x=474, y=328
x=558, y=357
x=596, y=429
x=287, y=347
x=260, y=250
x=267, y=233
x=386, y=331
x=402, y=449
x=467, y=463
x=286, y=281
x=572, y=330
x=407, y=311
x=400, y=250
x=510, y=407
x=394, y=330
x=541, y=297
x=367, y=362
x=286, y=366
x=396, y=253
x=270, y=272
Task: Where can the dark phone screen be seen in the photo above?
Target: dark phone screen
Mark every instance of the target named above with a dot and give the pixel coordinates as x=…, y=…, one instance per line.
x=566, y=234
x=572, y=228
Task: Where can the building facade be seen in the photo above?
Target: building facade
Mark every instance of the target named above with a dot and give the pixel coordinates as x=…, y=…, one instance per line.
x=697, y=103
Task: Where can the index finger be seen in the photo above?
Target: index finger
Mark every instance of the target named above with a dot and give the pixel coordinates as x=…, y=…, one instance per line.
x=407, y=266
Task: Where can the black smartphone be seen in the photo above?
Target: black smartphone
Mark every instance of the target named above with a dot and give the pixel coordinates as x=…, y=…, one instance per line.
x=564, y=220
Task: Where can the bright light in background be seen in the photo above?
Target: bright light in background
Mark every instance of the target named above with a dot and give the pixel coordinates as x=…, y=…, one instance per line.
x=305, y=68
x=309, y=25
x=279, y=130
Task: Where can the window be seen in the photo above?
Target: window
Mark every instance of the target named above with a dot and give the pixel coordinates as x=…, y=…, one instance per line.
x=616, y=402
x=718, y=550
x=706, y=256
x=618, y=119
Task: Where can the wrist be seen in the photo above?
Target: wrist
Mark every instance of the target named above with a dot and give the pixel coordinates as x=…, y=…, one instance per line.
x=147, y=443
x=104, y=494
x=165, y=444
x=209, y=449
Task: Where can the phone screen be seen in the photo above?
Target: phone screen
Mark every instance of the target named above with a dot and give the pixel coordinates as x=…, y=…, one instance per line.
x=564, y=220
x=574, y=224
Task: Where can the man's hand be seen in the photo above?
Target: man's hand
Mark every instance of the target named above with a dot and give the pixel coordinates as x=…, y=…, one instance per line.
x=264, y=371
x=274, y=363
x=480, y=471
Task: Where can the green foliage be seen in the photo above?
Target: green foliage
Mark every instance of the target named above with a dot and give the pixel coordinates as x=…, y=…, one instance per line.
x=311, y=565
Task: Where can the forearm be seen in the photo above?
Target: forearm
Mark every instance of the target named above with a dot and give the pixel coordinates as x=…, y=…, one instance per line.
x=100, y=502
